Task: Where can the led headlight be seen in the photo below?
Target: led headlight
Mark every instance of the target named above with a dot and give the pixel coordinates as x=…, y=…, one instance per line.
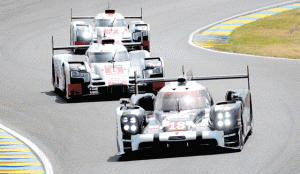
x=133, y=128
x=152, y=64
x=220, y=115
x=87, y=35
x=227, y=122
x=76, y=74
x=220, y=123
x=227, y=114
x=126, y=127
x=125, y=119
x=132, y=120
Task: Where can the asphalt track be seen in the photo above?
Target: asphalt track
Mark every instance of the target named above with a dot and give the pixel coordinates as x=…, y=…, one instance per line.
x=80, y=137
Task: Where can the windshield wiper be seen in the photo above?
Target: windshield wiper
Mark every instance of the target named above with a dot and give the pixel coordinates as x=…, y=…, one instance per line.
x=112, y=24
x=113, y=58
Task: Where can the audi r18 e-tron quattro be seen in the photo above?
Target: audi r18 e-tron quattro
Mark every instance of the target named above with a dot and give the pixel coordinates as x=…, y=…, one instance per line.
x=107, y=67
x=110, y=24
x=184, y=111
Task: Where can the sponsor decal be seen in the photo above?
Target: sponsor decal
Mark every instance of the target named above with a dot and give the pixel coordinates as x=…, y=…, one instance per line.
x=111, y=32
x=74, y=89
x=177, y=125
x=115, y=76
x=153, y=127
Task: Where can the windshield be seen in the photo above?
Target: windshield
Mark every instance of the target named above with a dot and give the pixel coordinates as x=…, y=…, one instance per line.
x=108, y=22
x=101, y=57
x=172, y=101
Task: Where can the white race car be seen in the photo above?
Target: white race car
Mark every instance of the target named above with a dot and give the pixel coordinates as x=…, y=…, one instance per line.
x=107, y=67
x=183, y=112
x=110, y=24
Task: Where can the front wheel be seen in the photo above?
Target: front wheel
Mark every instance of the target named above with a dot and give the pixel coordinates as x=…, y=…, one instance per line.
x=240, y=140
x=66, y=92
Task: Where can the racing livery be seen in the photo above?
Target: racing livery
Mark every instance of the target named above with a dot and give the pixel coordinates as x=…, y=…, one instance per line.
x=107, y=68
x=110, y=24
x=184, y=112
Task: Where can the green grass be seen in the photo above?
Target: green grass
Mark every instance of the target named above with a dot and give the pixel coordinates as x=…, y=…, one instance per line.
x=275, y=36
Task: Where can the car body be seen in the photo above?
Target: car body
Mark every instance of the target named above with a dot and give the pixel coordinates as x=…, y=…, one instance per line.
x=107, y=67
x=184, y=111
x=113, y=25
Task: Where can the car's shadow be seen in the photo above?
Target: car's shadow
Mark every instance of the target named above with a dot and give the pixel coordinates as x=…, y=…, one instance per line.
x=156, y=153
x=89, y=98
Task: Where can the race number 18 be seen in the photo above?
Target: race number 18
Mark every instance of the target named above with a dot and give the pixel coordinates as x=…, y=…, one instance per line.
x=177, y=125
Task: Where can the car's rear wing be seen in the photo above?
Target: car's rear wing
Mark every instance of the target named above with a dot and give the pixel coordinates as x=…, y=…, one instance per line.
x=135, y=17
x=131, y=44
x=92, y=17
x=67, y=47
x=80, y=17
x=189, y=76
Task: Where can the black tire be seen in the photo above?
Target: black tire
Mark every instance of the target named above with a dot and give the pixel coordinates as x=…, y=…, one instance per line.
x=65, y=92
x=240, y=140
x=251, y=115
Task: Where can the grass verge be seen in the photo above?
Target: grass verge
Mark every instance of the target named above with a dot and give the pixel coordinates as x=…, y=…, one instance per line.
x=274, y=36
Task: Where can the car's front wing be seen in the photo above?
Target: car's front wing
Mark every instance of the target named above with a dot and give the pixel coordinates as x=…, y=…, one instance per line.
x=136, y=140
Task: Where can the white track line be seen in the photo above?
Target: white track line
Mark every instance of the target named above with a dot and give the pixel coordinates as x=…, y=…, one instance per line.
x=45, y=161
x=242, y=14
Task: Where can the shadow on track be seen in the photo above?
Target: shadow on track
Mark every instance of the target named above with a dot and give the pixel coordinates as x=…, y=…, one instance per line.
x=156, y=153
x=90, y=98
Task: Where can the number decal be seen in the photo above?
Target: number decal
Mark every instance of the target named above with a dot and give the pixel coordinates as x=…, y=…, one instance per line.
x=177, y=125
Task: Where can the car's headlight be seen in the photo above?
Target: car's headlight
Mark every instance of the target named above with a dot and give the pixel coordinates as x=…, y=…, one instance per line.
x=130, y=124
x=220, y=123
x=227, y=122
x=223, y=119
x=87, y=35
x=126, y=127
x=220, y=115
x=133, y=128
x=125, y=119
x=149, y=72
x=76, y=74
x=132, y=120
x=152, y=64
x=227, y=114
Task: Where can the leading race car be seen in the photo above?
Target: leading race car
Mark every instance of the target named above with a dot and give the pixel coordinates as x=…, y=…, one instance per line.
x=110, y=24
x=107, y=68
x=184, y=111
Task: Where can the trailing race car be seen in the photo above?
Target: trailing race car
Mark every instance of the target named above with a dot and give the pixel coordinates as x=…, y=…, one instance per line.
x=184, y=111
x=107, y=68
x=113, y=25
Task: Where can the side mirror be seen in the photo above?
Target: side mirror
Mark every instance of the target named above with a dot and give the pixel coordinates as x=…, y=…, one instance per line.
x=236, y=96
x=145, y=101
x=124, y=101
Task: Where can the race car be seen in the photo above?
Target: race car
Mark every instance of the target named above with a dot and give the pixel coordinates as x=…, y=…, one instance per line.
x=113, y=25
x=184, y=112
x=107, y=67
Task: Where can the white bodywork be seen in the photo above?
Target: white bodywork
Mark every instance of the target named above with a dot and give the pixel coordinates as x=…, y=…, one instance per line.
x=113, y=25
x=100, y=72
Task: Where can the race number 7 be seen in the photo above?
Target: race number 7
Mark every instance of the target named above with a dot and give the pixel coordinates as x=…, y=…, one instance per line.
x=177, y=125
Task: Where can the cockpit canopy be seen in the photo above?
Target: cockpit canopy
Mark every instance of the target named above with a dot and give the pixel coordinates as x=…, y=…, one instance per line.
x=110, y=22
x=104, y=57
x=177, y=101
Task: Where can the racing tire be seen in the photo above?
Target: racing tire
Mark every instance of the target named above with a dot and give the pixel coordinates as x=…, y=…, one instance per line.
x=251, y=114
x=240, y=140
x=65, y=93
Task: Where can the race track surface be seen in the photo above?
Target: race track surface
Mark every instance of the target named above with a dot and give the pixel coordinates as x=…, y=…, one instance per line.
x=80, y=137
